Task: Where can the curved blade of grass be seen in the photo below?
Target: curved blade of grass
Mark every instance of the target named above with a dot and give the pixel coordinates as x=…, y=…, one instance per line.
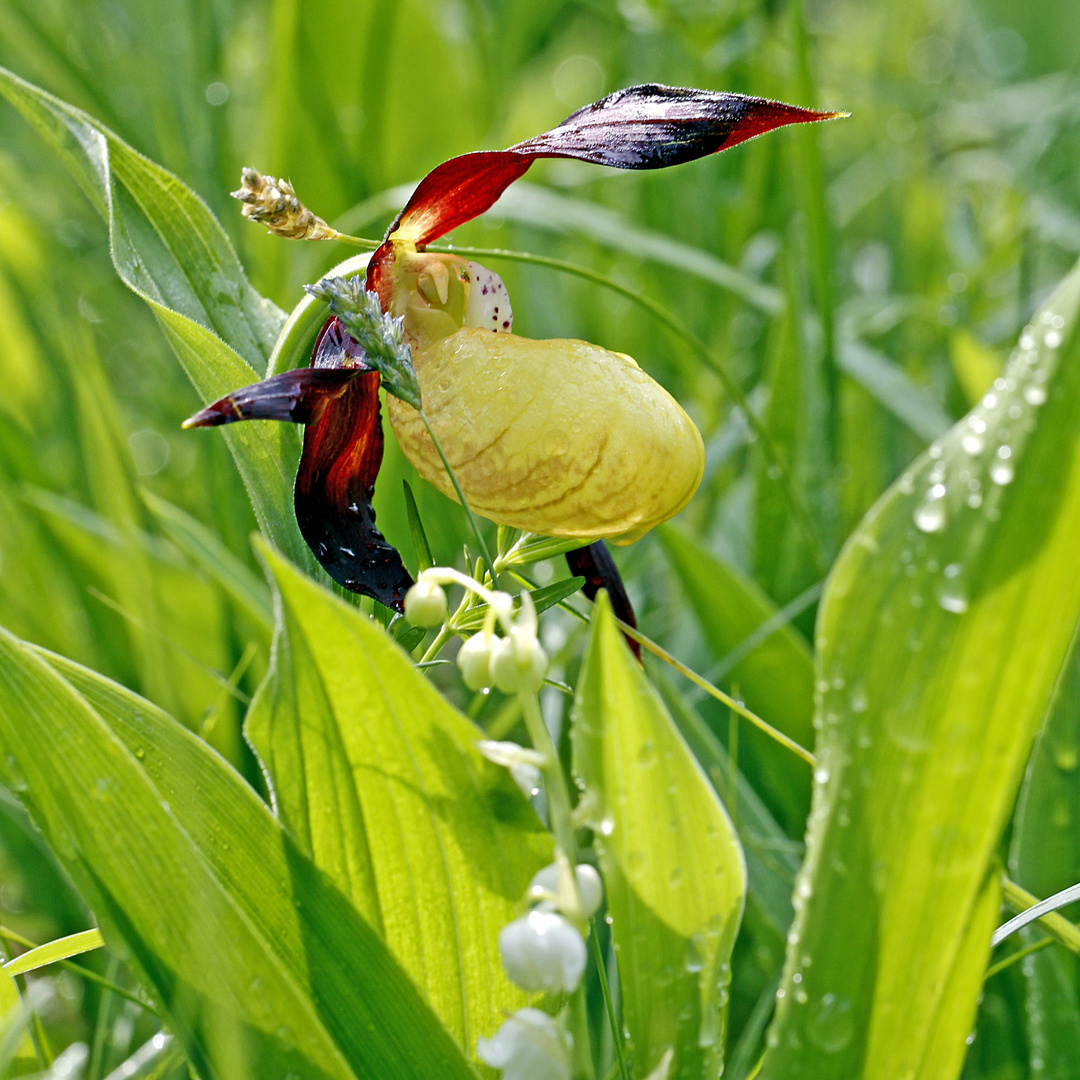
x=944, y=628
x=51, y=951
x=208, y=553
x=1045, y=858
x=169, y=249
x=673, y=871
x=263, y=967
x=381, y=782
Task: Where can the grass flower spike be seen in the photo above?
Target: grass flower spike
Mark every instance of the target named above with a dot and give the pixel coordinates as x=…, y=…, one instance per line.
x=274, y=204
x=560, y=437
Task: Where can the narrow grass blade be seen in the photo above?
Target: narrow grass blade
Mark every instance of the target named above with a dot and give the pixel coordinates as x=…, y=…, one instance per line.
x=1045, y=858
x=776, y=680
x=51, y=951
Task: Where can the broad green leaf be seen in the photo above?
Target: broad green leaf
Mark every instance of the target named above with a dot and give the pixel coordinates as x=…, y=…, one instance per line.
x=775, y=677
x=673, y=870
x=945, y=625
x=262, y=965
x=771, y=862
x=380, y=781
x=1045, y=858
x=169, y=249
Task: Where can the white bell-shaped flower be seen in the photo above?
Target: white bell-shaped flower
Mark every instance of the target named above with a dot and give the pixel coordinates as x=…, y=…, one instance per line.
x=529, y=1046
x=547, y=884
x=543, y=951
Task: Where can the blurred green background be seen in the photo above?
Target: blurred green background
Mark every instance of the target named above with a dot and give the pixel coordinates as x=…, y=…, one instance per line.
x=862, y=281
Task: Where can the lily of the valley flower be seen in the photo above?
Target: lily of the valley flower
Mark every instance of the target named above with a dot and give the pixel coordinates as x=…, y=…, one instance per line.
x=530, y=1045
x=560, y=437
x=543, y=951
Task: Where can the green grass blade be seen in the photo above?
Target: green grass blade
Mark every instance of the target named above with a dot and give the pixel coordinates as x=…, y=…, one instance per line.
x=52, y=951
x=213, y=557
x=421, y=547
x=1045, y=858
x=380, y=780
x=263, y=967
x=776, y=680
x=943, y=630
x=673, y=870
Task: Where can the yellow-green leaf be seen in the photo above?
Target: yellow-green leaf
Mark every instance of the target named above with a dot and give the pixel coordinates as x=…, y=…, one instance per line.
x=673, y=869
x=945, y=625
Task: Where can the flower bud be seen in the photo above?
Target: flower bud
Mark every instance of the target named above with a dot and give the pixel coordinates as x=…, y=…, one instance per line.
x=529, y=1046
x=518, y=662
x=474, y=660
x=542, y=951
x=425, y=604
x=546, y=884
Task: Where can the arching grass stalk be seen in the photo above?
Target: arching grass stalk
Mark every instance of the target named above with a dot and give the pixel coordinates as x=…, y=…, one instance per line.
x=679, y=330
x=693, y=676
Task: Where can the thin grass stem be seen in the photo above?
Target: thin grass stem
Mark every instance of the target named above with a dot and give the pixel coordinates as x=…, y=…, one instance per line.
x=1001, y=965
x=609, y=1002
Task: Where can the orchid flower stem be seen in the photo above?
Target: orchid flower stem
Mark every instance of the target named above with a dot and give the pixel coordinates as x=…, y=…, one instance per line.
x=489, y=562
x=680, y=330
x=609, y=1002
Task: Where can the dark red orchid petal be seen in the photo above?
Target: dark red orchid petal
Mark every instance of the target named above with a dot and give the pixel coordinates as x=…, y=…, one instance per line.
x=595, y=564
x=334, y=485
x=642, y=127
x=338, y=399
x=299, y=396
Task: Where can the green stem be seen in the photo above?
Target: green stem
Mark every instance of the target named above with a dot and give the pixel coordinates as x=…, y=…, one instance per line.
x=489, y=562
x=1001, y=965
x=730, y=702
x=609, y=1003
x=436, y=647
x=693, y=676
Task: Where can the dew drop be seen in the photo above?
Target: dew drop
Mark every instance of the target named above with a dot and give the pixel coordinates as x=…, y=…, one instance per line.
x=821, y=775
x=647, y=754
x=695, y=953
x=831, y=1025
x=929, y=516
x=1035, y=395
x=1001, y=472
x=1052, y=339
x=972, y=444
x=953, y=601
x=1066, y=758
x=675, y=877
x=635, y=865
